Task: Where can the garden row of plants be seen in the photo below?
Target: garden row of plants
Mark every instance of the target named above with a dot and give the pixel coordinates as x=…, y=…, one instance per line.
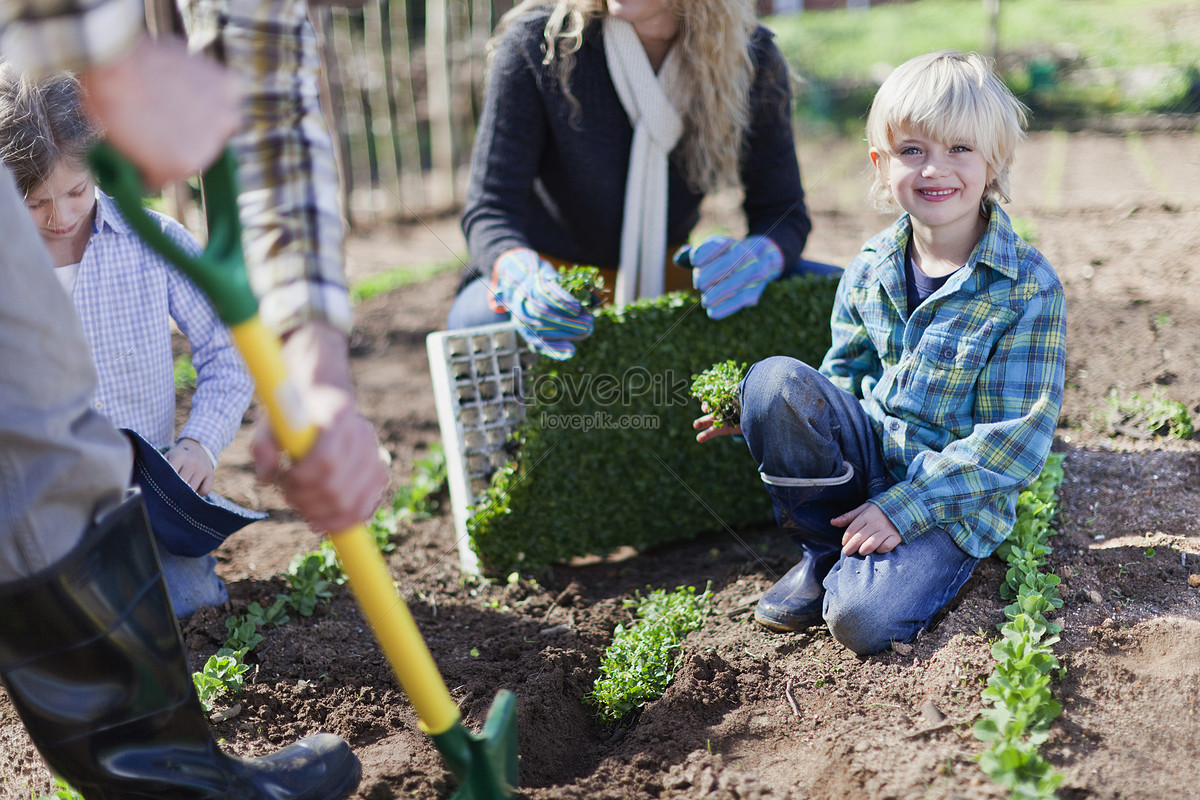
x=311, y=577
x=1019, y=706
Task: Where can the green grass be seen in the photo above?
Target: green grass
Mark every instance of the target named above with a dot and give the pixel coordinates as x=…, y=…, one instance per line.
x=386, y=281
x=843, y=56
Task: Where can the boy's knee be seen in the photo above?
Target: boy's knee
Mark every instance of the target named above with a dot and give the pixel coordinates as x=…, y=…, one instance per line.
x=776, y=384
x=862, y=627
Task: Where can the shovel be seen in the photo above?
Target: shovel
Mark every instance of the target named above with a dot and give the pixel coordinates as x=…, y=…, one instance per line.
x=484, y=765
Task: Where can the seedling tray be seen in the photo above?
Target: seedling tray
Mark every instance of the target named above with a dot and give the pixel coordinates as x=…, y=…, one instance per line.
x=477, y=384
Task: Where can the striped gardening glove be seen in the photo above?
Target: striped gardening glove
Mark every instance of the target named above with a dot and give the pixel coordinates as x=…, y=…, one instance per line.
x=550, y=319
x=731, y=274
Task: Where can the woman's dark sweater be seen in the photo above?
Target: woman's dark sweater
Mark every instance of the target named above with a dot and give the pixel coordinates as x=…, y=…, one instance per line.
x=544, y=179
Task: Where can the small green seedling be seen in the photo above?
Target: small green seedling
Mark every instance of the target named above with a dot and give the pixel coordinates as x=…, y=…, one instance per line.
x=243, y=634
x=223, y=673
x=640, y=663
x=584, y=284
x=309, y=576
x=717, y=390
x=275, y=614
x=1146, y=416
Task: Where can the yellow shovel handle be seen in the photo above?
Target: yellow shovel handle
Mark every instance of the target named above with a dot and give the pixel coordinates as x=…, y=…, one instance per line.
x=385, y=610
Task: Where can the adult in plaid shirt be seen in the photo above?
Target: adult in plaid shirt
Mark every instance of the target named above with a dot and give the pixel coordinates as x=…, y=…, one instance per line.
x=98, y=673
x=898, y=464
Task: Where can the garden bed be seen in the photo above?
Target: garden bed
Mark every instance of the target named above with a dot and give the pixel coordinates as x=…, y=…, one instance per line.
x=753, y=714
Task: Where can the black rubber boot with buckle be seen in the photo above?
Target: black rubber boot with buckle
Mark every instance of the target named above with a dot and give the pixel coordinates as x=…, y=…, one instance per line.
x=94, y=664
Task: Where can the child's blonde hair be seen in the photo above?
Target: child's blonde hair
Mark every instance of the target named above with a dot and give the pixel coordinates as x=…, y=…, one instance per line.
x=716, y=70
x=951, y=97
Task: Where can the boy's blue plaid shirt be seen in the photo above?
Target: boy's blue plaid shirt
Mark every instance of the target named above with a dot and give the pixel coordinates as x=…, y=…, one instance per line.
x=965, y=391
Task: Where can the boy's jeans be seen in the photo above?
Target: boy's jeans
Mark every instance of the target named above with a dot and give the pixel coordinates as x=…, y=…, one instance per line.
x=803, y=431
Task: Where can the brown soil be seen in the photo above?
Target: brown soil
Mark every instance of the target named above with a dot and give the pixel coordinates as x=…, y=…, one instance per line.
x=753, y=714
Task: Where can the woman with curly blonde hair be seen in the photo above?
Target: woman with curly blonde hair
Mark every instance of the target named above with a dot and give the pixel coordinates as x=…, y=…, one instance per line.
x=605, y=123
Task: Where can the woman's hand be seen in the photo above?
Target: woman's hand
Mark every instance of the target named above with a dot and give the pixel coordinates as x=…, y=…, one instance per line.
x=730, y=274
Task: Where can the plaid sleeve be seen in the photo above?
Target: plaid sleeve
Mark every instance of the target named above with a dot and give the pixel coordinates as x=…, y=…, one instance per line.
x=45, y=37
x=851, y=355
x=968, y=487
x=290, y=202
x=223, y=385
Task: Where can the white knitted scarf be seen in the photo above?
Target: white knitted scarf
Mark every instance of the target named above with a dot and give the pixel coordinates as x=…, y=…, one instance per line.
x=656, y=128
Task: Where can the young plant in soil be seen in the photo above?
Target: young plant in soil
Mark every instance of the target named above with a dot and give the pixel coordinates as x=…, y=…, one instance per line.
x=311, y=576
x=640, y=663
x=1142, y=417
x=1017, y=720
x=717, y=390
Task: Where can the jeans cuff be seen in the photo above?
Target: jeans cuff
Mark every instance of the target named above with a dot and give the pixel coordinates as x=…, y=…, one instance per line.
x=846, y=475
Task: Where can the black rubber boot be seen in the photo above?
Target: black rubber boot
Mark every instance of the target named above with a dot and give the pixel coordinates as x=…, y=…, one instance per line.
x=804, y=509
x=95, y=666
x=794, y=601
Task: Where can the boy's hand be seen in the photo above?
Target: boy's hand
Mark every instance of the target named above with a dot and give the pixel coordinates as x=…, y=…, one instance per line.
x=193, y=465
x=708, y=431
x=868, y=530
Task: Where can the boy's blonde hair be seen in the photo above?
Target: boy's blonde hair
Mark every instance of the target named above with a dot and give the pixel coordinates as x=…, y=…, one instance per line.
x=716, y=68
x=951, y=97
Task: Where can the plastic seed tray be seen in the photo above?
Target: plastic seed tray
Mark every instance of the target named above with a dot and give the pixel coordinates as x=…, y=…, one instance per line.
x=477, y=387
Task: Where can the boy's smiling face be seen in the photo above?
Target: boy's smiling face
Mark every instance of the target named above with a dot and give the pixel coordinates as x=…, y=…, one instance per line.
x=940, y=184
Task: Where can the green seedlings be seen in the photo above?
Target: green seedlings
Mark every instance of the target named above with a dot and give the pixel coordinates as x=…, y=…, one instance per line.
x=309, y=576
x=417, y=500
x=275, y=614
x=223, y=673
x=1018, y=705
x=717, y=390
x=243, y=634
x=584, y=284
x=1144, y=417
x=640, y=663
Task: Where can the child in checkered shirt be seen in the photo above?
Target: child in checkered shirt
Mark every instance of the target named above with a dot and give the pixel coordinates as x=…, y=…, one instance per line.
x=126, y=296
x=897, y=464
